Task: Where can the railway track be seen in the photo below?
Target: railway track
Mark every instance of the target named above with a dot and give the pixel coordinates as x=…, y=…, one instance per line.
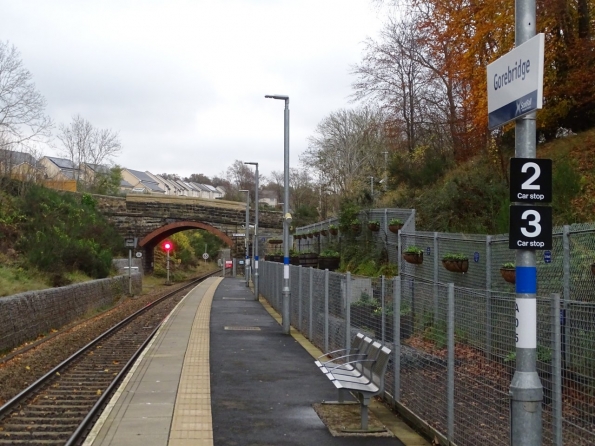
x=60, y=407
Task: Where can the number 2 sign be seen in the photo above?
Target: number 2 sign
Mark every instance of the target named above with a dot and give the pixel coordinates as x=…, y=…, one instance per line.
x=530, y=180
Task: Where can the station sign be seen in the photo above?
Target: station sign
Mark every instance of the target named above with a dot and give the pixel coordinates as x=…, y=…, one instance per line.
x=530, y=180
x=238, y=234
x=515, y=83
x=530, y=227
x=130, y=242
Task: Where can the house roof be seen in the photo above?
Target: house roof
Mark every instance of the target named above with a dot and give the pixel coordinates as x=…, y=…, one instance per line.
x=146, y=180
x=16, y=158
x=62, y=163
x=126, y=184
x=99, y=168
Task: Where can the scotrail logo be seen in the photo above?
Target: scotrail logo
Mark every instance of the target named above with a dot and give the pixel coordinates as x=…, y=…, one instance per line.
x=522, y=106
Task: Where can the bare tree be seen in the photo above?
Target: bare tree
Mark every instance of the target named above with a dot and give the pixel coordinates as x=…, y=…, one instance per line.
x=22, y=108
x=240, y=175
x=347, y=148
x=83, y=143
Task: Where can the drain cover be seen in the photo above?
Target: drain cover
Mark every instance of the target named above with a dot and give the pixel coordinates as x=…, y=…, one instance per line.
x=240, y=327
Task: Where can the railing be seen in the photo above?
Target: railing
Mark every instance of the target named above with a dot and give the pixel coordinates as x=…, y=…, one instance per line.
x=453, y=349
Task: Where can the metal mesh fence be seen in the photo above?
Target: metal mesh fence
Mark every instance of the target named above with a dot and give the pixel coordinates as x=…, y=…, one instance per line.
x=457, y=355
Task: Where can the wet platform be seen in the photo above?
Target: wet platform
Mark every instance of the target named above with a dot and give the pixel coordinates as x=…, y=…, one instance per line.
x=221, y=372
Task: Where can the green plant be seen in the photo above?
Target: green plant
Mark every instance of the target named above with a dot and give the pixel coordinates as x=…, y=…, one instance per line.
x=373, y=222
x=331, y=226
x=329, y=253
x=366, y=301
x=508, y=265
x=454, y=256
x=355, y=221
x=413, y=250
x=395, y=222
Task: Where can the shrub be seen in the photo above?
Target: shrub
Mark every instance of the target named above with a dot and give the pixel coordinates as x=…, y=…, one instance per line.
x=453, y=256
x=413, y=250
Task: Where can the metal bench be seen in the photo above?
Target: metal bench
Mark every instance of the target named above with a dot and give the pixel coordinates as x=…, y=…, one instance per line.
x=363, y=376
x=358, y=350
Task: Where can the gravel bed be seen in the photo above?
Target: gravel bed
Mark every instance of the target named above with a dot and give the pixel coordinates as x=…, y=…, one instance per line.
x=22, y=370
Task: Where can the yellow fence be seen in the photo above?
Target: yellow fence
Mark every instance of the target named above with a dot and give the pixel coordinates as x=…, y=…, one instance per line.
x=67, y=185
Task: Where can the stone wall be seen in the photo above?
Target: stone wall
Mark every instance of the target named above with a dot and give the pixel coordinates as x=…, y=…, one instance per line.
x=25, y=316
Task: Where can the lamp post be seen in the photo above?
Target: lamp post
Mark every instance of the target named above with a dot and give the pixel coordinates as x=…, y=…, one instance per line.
x=385, y=168
x=372, y=189
x=255, y=247
x=247, y=234
x=286, y=215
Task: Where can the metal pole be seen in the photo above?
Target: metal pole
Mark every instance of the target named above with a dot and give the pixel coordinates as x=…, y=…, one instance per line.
x=167, y=266
x=246, y=236
x=525, y=389
x=435, y=286
x=489, y=296
x=397, y=337
x=130, y=272
x=326, y=331
x=310, y=313
x=451, y=363
x=383, y=314
x=557, y=372
x=255, y=246
x=256, y=290
x=348, y=310
x=300, y=269
x=286, y=222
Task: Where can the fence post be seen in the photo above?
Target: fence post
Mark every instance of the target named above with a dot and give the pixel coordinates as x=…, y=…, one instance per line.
x=451, y=362
x=300, y=298
x=566, y=284
x=556, y=372
x=383, y=314
x=435, y=287
x=310, y=321
x=348, y=310
x=397, y=338
x=326, y=334
x=489, y=296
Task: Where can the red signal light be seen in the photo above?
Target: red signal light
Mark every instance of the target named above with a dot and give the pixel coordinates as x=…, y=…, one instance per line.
x=167, y=246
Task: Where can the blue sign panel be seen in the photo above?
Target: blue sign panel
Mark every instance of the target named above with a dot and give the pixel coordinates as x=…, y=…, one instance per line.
x=513, y=110
x=547, y=256
x=476, y=257
x=428, y=250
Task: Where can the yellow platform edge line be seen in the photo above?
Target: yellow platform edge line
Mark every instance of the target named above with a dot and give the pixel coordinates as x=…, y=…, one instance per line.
x=398, y=427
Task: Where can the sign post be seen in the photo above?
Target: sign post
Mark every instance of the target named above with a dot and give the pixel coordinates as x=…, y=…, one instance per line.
x=515, y=92
x=130, y=243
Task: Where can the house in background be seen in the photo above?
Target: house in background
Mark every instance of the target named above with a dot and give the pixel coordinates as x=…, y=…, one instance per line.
x=268, y=197
x=88, y=172
x=59, y=169
x=141, y=182
x=20, y=165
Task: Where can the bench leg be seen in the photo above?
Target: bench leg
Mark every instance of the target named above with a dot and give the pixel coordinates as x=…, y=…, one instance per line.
x=364, y=415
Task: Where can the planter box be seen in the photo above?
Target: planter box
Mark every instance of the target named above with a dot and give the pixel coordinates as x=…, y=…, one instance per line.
x=394, y=228
x=355, y=228
x=334, y=231
x=456, y=266
x=277, y=258
x=508, y=274
x=330, y=263
x=324, y=232
x=294, y=260
x=415, y=259
x=373, y=227
x=309, y=259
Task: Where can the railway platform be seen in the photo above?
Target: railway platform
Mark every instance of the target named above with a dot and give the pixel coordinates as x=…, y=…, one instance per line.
x=221, y=372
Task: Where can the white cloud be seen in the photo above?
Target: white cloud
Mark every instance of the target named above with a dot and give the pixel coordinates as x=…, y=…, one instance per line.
x=184, y=81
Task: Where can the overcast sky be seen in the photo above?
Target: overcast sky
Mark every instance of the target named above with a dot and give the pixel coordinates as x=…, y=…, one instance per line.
x=183, y=82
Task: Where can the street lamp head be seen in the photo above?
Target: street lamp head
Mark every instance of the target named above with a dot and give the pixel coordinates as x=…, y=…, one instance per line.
x=277, y=96
x=254, y=164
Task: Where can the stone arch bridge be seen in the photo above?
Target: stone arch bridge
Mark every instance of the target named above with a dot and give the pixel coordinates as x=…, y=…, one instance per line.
x=153, y=218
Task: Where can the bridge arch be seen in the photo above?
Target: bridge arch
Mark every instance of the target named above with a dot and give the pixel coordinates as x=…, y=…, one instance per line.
x=154, y=238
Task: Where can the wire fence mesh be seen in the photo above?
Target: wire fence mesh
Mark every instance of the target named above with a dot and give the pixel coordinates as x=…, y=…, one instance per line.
x=456, y=354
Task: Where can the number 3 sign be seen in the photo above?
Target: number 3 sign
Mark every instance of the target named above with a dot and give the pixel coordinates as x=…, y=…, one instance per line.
x=530, y=227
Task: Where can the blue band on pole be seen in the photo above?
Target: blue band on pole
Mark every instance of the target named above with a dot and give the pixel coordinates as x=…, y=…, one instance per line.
x=255, y=257
x=285, y=260
x=526, y=279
